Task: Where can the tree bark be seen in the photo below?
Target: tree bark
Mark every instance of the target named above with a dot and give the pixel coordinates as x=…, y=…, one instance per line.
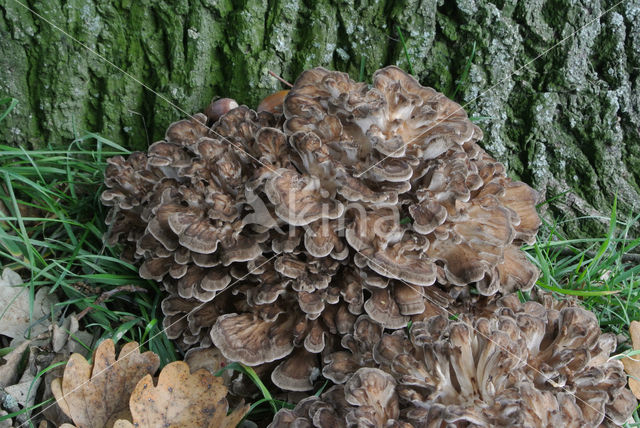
x=566, y=119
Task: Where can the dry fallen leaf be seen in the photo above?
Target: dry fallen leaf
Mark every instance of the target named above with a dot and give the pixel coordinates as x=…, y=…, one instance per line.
x=65, y=340
x=182, y=400
x=9, y=365
x=68, y=338
x=18, y=369
x=10, y=278
x=94, y=397
x=15, y=307
x=632, y=364
x=24, y=390
x=18, y=385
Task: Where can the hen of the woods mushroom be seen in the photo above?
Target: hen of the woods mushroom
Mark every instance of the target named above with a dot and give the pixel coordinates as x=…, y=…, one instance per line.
x=275, y=232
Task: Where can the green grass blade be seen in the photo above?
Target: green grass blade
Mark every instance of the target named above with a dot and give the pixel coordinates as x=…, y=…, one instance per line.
x=465, y=73
x=406, y=52
x=12, y=103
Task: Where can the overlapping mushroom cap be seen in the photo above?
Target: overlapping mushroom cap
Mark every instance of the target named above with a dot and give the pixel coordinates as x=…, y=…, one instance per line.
x=527, y=364
x=273, y=233
x=367, y=400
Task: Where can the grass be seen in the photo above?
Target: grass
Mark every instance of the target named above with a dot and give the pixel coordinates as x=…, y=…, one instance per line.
x=51, y=230
x=463, y=81
x=602, y=272
x=405, y=50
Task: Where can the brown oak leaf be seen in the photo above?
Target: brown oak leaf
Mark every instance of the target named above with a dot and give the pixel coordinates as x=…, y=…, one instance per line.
x=182, y=399
x=96, y=396
x=632, y=364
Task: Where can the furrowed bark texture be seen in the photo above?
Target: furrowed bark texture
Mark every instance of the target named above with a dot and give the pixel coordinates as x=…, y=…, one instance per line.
x=566, y=119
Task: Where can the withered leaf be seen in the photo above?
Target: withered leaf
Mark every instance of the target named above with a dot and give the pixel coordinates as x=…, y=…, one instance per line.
x=68, y=338
x=632, y=364
x=182, y=400
x=9, y=365
x=94, y=397
x=16, y=316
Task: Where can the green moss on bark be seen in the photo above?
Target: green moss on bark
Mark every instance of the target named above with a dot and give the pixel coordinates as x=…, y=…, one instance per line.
x=567, y=123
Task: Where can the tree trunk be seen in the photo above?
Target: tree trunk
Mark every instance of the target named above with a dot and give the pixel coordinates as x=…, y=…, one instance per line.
x=566, y=119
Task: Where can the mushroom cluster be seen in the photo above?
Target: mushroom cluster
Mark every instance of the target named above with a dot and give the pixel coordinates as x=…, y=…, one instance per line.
x=334, y=232
x=277, y=233
x=524, y=365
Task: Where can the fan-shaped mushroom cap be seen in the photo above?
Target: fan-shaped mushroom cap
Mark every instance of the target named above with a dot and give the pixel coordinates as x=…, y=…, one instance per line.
x=466, y=205
x=298, y=372
x=299, y=199
x=339, y=366
x=373, y=392
x=325, y=411
x=187, y=131
x=190, y=320
x=253, y=341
